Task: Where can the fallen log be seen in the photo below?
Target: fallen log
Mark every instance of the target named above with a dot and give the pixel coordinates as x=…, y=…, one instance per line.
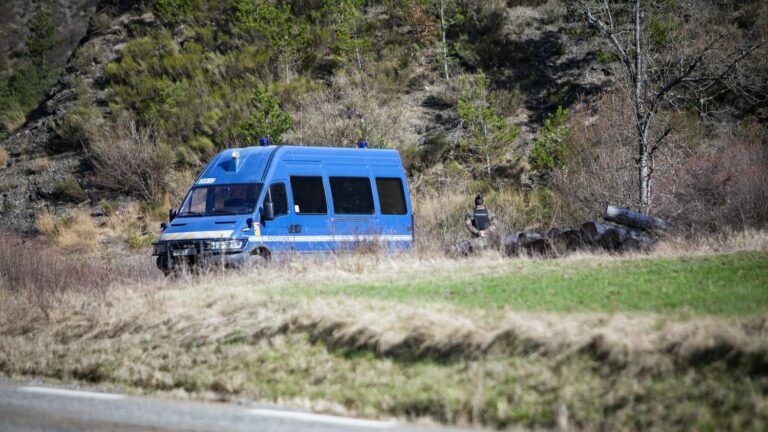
x=572, y=239
x=534, y=243
x=592, y=231
x=612, y=239
x=510, y=245
x=633, y=219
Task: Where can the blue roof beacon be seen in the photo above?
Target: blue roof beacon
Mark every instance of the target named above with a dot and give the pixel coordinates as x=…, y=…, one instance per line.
x=250, y=204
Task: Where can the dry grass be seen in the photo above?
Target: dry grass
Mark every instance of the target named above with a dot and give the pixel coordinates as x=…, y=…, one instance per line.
x=39, y=165
x=240, y=338
x=45, y=223
x=37, y=276
x=236, y=336
x=725, y=241
x=77, y=232
x=3, y=157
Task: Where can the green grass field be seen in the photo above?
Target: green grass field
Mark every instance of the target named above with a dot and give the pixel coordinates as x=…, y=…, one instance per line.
x=594, y=342
x=728, y=285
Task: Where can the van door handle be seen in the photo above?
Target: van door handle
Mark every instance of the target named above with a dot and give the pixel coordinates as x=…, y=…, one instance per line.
x=294, y=229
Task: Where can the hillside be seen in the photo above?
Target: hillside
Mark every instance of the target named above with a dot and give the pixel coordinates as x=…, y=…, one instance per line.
x=168, y=83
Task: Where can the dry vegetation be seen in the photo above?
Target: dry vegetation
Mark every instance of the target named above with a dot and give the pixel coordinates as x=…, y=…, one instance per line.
x=77, y=232
x=707, y=180
x=258, y=336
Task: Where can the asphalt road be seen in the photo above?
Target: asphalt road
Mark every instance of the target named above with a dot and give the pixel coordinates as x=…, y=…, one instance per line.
x=27, y=407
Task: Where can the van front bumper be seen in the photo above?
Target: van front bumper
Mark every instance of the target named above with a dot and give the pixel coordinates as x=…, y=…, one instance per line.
x=200, y=252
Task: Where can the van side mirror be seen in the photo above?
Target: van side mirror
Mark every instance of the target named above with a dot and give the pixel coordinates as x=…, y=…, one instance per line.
x=171, y=214
x=163, y=226
x=269, y=210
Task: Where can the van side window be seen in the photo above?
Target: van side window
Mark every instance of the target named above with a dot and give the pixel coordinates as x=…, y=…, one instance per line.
x=308, y=195
x=391, y=196
x=279, y=198
x=351, y=195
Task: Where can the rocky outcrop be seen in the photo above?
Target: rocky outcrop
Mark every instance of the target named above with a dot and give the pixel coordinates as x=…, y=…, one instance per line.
x=44, y=172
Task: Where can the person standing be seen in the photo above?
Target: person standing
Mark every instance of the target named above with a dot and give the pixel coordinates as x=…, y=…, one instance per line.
x=480, y=221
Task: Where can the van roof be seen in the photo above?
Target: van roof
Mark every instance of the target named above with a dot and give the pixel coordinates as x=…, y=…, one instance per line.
x=249, y=164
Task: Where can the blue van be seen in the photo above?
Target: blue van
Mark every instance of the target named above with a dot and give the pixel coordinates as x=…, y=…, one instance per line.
x=252, y=203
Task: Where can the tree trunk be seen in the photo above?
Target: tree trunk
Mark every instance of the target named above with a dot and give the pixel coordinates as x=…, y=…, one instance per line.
x=643, y=167
x=443, y=30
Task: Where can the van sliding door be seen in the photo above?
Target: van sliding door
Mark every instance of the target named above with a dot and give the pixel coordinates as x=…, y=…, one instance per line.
x=354, y=221
x=312, y=232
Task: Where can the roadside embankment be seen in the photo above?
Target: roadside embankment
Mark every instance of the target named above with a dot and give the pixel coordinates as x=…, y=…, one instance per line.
x=382, y=337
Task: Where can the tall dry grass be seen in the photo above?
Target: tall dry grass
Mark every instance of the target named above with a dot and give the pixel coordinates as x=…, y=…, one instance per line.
x=208, y=337
x=76, y=232
x=35, y=274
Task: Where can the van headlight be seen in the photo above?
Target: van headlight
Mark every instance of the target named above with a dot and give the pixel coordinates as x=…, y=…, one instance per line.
x=226, y=245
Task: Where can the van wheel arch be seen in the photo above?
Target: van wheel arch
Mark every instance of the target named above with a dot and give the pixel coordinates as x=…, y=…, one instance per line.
x=263, y=252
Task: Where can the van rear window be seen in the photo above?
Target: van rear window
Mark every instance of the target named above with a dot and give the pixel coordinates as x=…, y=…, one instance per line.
x=391, y=196
x=351, y=195
x=308, y=195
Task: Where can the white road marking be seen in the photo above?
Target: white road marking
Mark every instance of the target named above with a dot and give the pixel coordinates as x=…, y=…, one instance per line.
x=321, y=418
x=71, y=393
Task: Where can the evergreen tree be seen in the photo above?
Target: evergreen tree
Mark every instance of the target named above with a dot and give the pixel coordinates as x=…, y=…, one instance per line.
x=552, y=140
x=487, y=133
x=267, y=120
x=347, y=22
x=283, y=31
x=41, y=40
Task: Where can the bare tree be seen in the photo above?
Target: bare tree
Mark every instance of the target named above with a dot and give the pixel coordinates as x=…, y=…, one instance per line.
x=695, y=67
x=447, y=12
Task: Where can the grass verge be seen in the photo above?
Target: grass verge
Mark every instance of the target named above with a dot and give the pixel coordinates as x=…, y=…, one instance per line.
x=381, y=337
x=733, y=284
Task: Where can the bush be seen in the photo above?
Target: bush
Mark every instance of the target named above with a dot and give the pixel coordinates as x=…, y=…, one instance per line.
x=552, y=142
x=38, y=166
x=69, y=190
x=21, y=91
x=77, y=232
x=80, y=126
x=138, y=240
x=703, y=180
x=131, y=160
x=267, y=120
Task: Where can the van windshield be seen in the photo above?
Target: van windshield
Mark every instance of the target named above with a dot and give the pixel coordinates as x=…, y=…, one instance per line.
x=232, y=199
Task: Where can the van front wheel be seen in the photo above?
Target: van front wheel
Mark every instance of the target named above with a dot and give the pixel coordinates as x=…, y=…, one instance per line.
x=260, y=256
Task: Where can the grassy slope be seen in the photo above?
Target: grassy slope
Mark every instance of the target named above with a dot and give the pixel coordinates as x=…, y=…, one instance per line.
x=730, y=284
x=293, y=335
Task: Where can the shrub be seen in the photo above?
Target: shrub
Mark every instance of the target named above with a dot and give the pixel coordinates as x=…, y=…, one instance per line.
x=101, y=23
x=80, y=126
x=109, y=207
x=132, y=161
x=39, y=165
x=37, y=273
x=487, y=134
x=69, y=190
x=138, y=240
x=703, y=179
x=266, y=120
x=12, y=115
x=45, y=223
x=552, y=141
